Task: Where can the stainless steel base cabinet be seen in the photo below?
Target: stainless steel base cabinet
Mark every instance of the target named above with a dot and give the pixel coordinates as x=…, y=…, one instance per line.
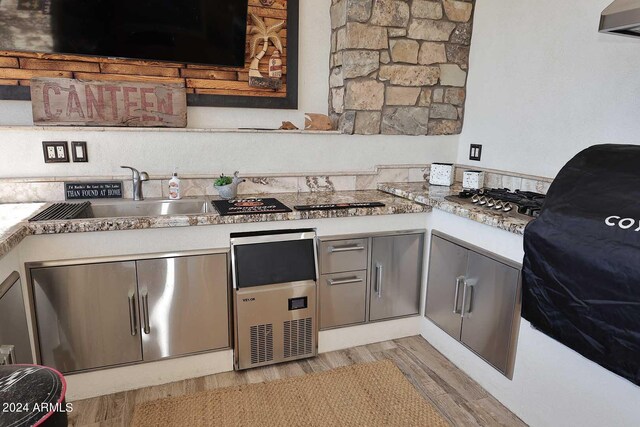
x=15, y=344
x=183, y=305
x=370, y=277
x=474, y=296
x=396, y=275
x=343, y=297
x=86, y=315
x=94, y=316
x=447, y=269
x=343, y=284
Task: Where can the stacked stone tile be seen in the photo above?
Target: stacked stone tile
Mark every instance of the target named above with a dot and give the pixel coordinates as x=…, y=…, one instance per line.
x=399, y=66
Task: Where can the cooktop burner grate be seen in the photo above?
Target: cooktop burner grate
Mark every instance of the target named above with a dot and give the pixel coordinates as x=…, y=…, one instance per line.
x=503, y=200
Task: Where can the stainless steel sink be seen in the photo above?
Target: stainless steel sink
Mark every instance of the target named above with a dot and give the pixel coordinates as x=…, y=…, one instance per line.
x=148, y=208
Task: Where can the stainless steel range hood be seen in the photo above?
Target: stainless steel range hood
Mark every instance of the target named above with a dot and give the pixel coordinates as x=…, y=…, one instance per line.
x=621, y=17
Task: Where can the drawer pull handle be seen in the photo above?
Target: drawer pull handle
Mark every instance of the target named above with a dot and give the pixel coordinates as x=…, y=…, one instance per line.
x=333, y=249
x=333, y=282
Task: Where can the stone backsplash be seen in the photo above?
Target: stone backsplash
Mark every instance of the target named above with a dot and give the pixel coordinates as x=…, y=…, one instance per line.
x=399, y=66
x=52, y=189
x=19, y=190
x=511, y=180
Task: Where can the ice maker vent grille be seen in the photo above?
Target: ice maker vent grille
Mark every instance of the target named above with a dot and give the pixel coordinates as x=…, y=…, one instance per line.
x=261, y=343
x=298, y=337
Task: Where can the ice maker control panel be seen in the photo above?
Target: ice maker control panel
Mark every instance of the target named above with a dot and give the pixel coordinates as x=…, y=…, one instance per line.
x=297, y=303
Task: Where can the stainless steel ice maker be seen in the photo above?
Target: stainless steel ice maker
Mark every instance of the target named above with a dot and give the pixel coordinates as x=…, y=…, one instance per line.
x=274, y=297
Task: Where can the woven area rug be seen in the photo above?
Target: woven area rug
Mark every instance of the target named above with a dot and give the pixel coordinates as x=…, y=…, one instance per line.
x=368, y=394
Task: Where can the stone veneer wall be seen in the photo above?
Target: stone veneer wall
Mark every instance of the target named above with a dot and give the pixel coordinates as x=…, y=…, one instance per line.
x=399, y=66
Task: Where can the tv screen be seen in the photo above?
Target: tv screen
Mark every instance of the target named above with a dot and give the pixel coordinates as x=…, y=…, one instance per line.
x=188, y=31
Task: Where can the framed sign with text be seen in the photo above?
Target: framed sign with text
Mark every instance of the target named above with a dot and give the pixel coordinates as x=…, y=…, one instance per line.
x=93, y=190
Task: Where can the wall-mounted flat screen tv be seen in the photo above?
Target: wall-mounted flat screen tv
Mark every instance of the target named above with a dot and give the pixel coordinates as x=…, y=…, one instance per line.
x=186, y=31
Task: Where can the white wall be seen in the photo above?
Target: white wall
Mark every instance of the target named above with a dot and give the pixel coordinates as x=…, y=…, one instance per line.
x=544, y=84
x=209, y=153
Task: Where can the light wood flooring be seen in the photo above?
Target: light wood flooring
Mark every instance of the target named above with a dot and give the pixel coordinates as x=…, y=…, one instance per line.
x=460, y=399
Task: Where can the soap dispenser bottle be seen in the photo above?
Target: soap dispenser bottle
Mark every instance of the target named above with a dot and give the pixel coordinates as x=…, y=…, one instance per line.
x=174, y=187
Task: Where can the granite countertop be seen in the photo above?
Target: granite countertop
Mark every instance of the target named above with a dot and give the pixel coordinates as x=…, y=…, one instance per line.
x=18, y=228
x=399, y=198
x=434, y=196
x=12, y=225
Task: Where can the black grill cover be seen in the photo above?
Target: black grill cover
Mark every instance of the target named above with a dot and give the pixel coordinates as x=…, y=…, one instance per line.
x=581, y=272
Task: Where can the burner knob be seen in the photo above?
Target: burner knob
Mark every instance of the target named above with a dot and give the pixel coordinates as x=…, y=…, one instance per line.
x=475, y=198
x=482, y=200
x=498, y=205
x=491, y=203
x=507, y=207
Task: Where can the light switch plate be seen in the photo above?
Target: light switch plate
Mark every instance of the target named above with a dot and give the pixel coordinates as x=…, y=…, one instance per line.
x=55, y=151
x=475, y=152
x=79, y=151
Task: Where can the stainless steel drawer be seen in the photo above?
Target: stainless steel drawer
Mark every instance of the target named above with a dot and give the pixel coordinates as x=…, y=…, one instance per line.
x=337, y=256
x=342, y=299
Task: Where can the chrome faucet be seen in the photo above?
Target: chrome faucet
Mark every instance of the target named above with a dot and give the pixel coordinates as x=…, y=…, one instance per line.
x=138, y=179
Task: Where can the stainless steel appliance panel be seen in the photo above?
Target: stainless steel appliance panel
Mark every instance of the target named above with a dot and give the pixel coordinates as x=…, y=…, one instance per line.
x=270, y=329
x=343, y=298
x=396, y=275
x=14, y=332
x=338, y=256
x=266, y=263
x=489, y=299
x=274, y=304
x=86, y=315
x=183, y=305
x=447, y=271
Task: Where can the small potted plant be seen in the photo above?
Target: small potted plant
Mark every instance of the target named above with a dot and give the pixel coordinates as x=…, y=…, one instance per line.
x=228, y=187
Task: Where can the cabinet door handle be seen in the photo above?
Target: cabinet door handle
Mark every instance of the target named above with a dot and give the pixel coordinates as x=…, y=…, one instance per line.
x=132, y=314
x=467, y=307
x=378, y=288
x=345, y=248
x=333, y=282
x=145, y=312
x=471, y=288
x=456, y=297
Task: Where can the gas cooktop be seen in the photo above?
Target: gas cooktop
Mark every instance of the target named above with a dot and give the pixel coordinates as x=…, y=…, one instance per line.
x=524, y=204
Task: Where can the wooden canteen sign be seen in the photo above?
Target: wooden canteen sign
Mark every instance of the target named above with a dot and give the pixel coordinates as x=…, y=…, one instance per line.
x=101, y=103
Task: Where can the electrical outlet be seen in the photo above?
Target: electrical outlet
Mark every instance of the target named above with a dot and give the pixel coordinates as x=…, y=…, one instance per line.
x=475, y=152
x=55, y=151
